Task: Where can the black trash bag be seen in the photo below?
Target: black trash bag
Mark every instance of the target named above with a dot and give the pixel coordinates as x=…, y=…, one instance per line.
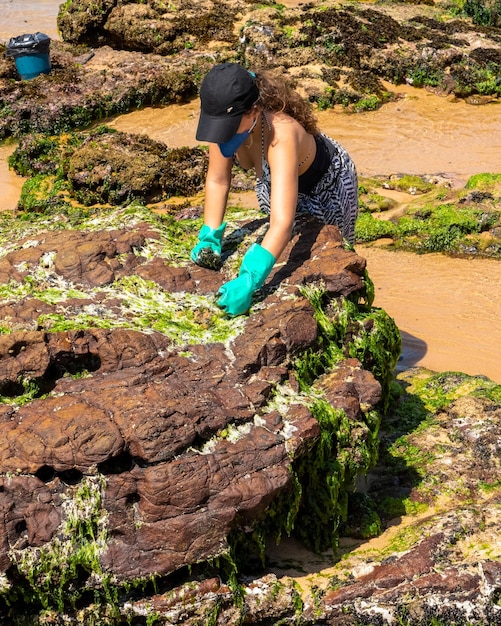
x=27, y=44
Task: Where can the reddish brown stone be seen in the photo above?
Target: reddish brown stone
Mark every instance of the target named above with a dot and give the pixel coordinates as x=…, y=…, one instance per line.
x=63, y=433
x=183, y=439
x=173, y=279
x=349, y=386
x=21, y=313
x=339, y=270
x=23, y=354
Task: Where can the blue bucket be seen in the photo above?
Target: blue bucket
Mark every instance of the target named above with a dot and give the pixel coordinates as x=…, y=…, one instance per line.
x=30, y=54
x=32, y=65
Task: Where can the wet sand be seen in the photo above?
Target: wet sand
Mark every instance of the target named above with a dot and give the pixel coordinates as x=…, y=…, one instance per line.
x=28, y=16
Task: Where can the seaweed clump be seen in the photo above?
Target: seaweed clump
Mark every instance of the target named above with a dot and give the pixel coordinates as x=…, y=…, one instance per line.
x=461, y=222
x=107, y=167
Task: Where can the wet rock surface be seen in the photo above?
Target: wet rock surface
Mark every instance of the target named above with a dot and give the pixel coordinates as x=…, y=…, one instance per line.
x=423, y=584
x=184, y=444
x=444, y=564
x=74, y=95
x=181, y=445
x=116, y=168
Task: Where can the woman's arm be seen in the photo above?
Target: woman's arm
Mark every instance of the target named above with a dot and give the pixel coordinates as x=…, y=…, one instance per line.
x=258, y=261
x=217, y=187
x=283, y=160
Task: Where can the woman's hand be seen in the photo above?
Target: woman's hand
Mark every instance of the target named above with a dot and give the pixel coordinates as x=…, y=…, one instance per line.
x=236, y=295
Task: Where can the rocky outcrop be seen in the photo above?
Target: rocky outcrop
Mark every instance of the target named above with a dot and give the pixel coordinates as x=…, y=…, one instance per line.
x=76, y=92
x=423, y=584
x=441, y=562
x=152, y=53
x=153, y=453
x=151, y=26
x=438, y=566
x=132, y=454
x=104, y=166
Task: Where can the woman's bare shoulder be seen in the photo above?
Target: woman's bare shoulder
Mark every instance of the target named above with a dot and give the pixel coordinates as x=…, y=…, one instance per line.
x=286, y=130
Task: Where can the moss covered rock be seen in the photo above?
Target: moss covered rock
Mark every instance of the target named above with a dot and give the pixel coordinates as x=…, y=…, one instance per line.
x=205, y=437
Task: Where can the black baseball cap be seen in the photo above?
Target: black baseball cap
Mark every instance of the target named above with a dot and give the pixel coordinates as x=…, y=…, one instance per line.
x=227, y=92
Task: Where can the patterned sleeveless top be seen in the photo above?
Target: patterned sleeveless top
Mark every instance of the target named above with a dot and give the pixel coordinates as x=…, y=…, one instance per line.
x=328, y=190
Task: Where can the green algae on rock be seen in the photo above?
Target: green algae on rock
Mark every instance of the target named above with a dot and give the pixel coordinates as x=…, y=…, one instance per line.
x=105, y=166
x=439, y=443
x=51, y=572
x=154, y=53
x=461, y=222
x=321, y=373
x=352, y=339
x=116, y=290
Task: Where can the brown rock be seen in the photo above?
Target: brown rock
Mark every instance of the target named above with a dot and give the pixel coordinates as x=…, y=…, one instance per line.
x=24, y=313
x=31, y=514
x=277, y=331
x=349, y=387
x=50, y=432
x=172, y=279
x=183, y=439
x=23, y=354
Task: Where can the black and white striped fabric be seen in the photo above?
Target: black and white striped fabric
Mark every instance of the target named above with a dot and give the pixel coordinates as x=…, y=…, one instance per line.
x=333, y=200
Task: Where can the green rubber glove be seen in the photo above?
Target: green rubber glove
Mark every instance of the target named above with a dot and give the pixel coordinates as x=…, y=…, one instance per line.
x=236, y=295
x=207, y=252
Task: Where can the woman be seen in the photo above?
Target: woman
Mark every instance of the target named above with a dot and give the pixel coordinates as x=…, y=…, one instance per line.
x=260, y=122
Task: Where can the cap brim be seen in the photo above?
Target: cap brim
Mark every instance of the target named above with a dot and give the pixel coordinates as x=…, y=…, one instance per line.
x=217, y=129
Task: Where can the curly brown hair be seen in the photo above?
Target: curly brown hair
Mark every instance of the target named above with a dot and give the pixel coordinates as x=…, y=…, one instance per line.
x=277, y=94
